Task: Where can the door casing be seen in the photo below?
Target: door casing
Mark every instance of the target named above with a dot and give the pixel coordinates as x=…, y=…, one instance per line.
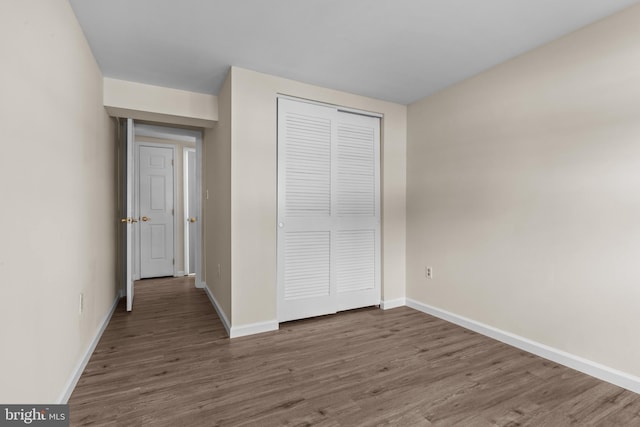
x=159, y=131
x=187, y=202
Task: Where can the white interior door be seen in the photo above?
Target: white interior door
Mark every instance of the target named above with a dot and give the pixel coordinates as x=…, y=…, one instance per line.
x=129, y=221
x=191, y=214
x=156, y=200
x=328, y=210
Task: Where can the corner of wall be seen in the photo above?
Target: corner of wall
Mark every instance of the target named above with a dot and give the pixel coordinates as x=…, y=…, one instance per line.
x=217, y=208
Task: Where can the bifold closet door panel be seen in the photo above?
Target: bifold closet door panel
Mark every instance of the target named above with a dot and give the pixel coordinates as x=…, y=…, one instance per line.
x=356, y=213
x=304, y=211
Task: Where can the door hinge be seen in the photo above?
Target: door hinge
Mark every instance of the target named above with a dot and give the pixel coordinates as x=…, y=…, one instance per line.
x=171, y=162
x=174, y=261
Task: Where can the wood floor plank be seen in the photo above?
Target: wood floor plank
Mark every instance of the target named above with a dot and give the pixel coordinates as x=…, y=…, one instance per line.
x=169, y=363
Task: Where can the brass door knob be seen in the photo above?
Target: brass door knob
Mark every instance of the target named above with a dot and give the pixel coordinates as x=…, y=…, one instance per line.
x=125, y=220
x=145, y=218
x=192, y=219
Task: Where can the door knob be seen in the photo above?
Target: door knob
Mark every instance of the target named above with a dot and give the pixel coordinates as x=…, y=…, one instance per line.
x=192, y=219
x=127, y=220
x=145, y=218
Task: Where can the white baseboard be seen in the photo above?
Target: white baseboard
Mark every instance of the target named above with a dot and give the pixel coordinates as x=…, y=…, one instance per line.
x=254, y=328
x=200, y=284
x=393, y=303
x=239, y=331
x=602, y=372
x=77, y=372
x=179, y=274
x=216, y=306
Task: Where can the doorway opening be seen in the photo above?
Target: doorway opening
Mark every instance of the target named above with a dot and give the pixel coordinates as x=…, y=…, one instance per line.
x=159, y=204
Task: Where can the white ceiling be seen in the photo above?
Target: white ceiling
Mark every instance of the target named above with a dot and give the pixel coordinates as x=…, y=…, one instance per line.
x=396, y=50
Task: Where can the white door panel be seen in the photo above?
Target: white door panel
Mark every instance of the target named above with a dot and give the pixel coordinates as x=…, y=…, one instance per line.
x=356, y=171
x=128, y=150
x=304, y=206
x=156, y=194
x=307, y=277
x=328, y=210
x=357, y=276
x=357, y=211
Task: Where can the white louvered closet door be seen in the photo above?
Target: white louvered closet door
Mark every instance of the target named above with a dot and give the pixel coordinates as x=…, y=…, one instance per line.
x=356, y=210
x=328, y=210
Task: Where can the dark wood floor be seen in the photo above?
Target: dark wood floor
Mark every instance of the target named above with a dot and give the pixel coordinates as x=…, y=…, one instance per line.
x=169, y=363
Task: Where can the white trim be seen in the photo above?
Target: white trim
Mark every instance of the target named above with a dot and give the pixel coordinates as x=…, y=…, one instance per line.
x=393, y=303
x=602, y=372
x=180, y=274
x=325, y=104
x=216, y=306
x=254, y=328
x=239, y=331
x=82, y=363
x=167, y=132
x=199, y=218
x=185, y=206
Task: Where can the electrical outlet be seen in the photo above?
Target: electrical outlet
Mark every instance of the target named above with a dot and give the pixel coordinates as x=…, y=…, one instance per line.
x=428, y=272
x=218, y=271
x=81, y=303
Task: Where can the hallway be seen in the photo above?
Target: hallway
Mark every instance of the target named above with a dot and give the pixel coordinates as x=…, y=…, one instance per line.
x=171, y=328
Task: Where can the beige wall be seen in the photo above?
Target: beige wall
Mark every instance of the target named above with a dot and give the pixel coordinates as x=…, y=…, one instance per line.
x=254, y=180
x=524, y=195
x=217, y=208
x=57, y=223
x=160, y=104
